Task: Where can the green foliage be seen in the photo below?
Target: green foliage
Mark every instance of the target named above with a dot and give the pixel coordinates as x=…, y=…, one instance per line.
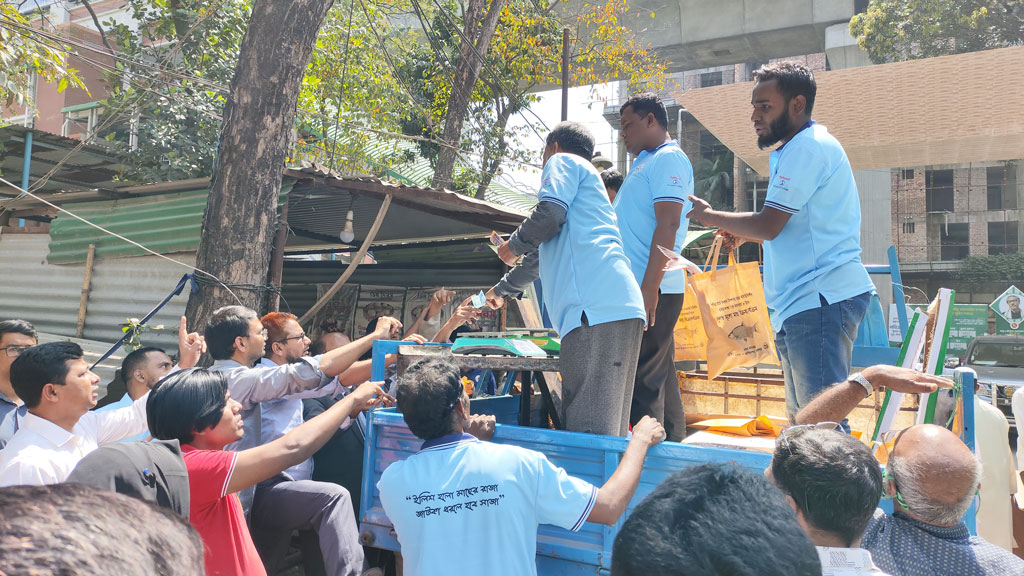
x=135, y=329
x=21, y=55
x=895, y=30
x=998, y=268
x=713, y=181
x=177, y=113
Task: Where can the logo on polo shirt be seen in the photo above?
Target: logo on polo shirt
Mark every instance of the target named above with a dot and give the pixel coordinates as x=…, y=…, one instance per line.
x=781, y=183
x=675, y=181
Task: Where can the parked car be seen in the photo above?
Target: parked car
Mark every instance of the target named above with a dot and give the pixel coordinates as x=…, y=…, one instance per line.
x=999, y=362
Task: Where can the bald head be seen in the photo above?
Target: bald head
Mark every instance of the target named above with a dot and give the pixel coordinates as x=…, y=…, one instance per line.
x=334, y=340
x=935, y=472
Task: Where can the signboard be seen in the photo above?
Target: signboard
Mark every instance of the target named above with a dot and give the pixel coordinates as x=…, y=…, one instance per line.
x=968, y=322
x=1009, y=311
x=895, y=335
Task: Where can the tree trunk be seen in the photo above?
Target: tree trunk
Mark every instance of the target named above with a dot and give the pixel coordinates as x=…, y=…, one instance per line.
x=467, y=72
x=241, y=212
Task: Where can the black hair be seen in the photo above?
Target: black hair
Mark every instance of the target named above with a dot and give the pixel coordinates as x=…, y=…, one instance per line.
x=40, y=365
x=135, y=359
x=612, y=179
x=427, y=394
x=793, y=79
x=77, y=529
x=572, y=138
x=18, y=327
x=711, y=520
x=186, y=402
x=225, y=325
x=647, y=103
x=318, y=347
x=833, y=478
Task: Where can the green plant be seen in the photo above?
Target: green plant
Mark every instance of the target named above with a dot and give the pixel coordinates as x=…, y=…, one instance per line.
x=136, y=329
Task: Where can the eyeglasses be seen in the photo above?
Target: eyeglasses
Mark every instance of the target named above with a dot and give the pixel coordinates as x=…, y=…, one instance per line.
x=262, y=333
x=299, y=337
x=785, y=433
x=14, y=351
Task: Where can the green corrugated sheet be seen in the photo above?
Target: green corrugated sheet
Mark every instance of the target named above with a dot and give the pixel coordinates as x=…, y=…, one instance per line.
x=166, y=224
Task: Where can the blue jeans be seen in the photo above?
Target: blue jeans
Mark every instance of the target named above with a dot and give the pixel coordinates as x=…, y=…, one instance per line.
x=816, y=348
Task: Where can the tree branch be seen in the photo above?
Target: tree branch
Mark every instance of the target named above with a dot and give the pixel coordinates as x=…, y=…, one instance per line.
x=96, y=21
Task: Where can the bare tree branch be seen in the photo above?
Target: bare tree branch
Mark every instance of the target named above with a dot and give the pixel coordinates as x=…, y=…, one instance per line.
x=96, y=21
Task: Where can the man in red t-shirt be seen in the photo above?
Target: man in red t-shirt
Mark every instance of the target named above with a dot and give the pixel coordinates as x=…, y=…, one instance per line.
x=195, y=407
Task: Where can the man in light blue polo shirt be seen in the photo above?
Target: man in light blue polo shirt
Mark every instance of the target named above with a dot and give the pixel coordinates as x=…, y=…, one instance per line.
x=810, y=225
x=650, y=207
x=571, y=240
x=457, y=491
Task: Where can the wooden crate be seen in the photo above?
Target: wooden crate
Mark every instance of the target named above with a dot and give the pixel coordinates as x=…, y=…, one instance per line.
x=753, y=393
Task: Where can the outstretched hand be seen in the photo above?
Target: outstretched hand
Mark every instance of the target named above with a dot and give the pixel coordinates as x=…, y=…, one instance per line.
x=904, y=380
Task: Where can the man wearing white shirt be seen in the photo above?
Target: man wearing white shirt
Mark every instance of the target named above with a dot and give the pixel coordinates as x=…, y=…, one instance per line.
x=833, y=483
x=58, y=389
x=140, y=370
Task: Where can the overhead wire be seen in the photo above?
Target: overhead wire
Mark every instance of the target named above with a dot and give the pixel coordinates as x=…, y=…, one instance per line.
x=120, y=237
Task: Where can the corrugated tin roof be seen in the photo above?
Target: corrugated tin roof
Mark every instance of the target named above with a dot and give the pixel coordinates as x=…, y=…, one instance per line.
x=164, y=223
x=48, y=295
x=91, y=167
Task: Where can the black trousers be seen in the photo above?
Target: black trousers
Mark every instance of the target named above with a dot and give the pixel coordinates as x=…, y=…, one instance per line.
x=656, y=388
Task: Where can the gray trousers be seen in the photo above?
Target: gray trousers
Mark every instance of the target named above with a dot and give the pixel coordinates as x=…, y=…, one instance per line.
x=656, y=391
x=598, y=364
x=281, y=506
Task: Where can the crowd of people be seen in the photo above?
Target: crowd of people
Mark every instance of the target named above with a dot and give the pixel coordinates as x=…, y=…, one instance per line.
x=268, y=440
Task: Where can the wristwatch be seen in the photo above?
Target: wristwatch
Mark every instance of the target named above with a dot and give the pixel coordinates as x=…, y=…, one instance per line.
x=860, y=379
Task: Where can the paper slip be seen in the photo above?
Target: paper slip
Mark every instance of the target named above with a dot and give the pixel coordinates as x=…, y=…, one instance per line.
x=478, y=300
x=496, y=238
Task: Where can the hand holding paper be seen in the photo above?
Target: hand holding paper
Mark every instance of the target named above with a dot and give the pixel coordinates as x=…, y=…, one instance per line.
x=677, y=262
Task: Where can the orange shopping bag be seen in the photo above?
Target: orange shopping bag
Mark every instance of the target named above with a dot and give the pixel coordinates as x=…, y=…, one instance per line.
x=734, y=315
x=691, y=341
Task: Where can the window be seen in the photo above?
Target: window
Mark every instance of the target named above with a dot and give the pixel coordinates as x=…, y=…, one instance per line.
x=994, y=178
x=908, y=227
x=711, y=147
x=1002, y=237
x=954, y=241
x=1002, y=187
x=938, y=189
x=711, y=79
x=907, y=174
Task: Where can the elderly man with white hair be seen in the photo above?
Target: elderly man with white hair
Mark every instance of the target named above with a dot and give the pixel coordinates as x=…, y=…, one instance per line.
x=933, y=478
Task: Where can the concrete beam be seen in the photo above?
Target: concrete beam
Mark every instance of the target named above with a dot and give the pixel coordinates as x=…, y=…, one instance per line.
x=693, y=34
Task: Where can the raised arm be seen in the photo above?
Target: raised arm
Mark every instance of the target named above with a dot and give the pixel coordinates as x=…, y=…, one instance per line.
x=616, y=493
x=836, y=403
x=340, y=359
x=262, y=462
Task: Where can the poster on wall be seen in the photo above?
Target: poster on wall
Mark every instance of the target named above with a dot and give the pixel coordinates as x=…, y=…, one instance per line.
x=1009, y=315
x=418, y=298
x=337, y=313
x=374, y=302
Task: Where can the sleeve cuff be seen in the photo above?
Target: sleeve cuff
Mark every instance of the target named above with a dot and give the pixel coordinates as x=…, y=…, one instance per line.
x=586, y=513
x=517, y=246
x=780, y=207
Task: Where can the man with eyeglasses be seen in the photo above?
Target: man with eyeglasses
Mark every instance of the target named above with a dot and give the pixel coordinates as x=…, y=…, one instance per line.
x=933, y=478
x=292, y=500
x=15, y=336
x=237, y=340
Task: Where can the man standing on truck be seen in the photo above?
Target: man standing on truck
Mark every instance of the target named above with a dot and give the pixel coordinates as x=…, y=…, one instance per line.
x=649, y=209
x=458, y=488
x=810, y=226
x=572, y=243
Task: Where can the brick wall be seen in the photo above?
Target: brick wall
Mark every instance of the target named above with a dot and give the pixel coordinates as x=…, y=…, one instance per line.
x=908, y=206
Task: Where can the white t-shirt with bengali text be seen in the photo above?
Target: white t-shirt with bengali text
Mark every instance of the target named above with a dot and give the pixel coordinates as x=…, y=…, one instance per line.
x=457, y=492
